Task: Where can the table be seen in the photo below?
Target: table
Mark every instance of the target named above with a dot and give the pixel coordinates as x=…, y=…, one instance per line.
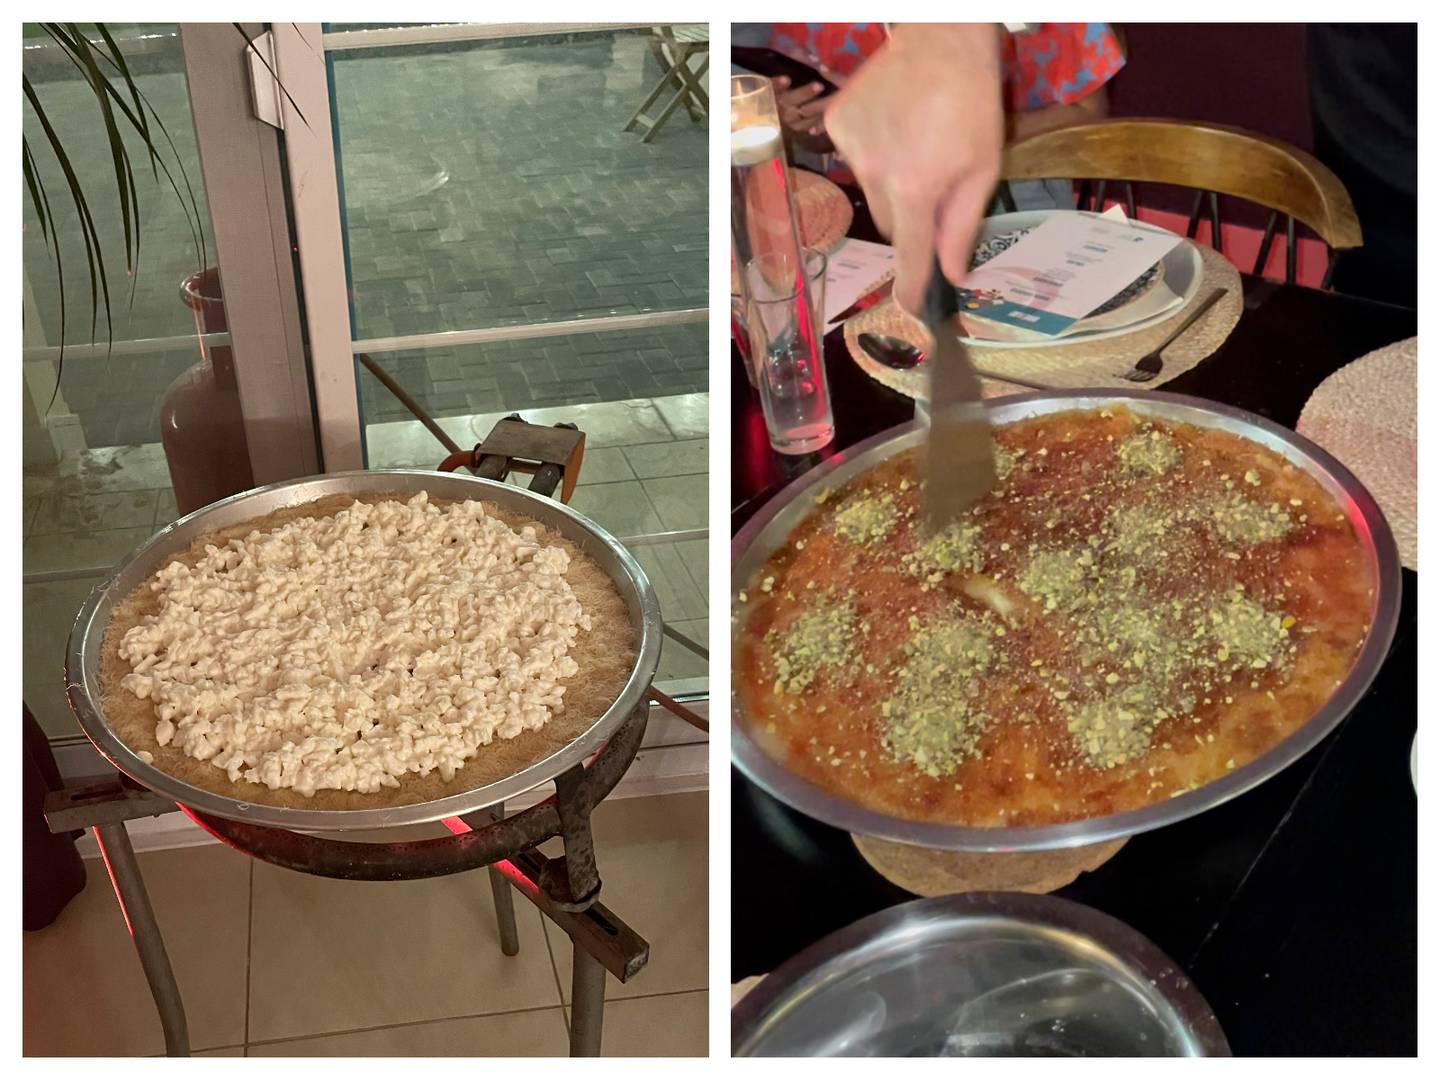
x=1293, y=907
x=683, y=42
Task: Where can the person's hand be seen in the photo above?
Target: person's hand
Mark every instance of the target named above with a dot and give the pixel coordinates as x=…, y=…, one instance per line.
x=802, y=113
x=921, y=127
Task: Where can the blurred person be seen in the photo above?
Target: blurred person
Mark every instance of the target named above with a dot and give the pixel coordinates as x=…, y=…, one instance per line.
x=1055, y=74
x=1363, y=110
x=923, y=112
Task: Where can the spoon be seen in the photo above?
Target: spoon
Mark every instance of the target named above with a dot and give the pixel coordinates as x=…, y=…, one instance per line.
x=902, y=356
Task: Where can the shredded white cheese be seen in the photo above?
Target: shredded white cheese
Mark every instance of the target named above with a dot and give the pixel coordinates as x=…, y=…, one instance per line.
x=344, y=652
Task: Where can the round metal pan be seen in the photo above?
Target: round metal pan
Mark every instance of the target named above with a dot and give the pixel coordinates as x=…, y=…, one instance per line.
x=986, y=974
x=82, y=660
x=769, y=528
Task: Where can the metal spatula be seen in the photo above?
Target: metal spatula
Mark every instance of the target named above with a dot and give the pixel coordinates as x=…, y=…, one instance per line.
x=959, y=454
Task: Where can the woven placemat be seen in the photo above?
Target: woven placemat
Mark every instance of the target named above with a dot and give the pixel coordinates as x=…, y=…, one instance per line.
x=932, y=872
x=821, y=209
x=743, y=987
x=822, y=212
x=1365, y=415
x=1076, y=366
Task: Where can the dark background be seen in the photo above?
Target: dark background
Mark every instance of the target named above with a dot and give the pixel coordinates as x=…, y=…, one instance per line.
x=1250, y=76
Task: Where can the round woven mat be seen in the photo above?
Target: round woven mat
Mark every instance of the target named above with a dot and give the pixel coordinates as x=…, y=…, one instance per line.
x=743, y=987
x=931, y=872
x=1076, y=366
x=822, y=210
x=1365, y=415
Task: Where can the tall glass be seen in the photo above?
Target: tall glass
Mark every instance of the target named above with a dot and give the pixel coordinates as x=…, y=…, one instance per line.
x=784, y=327
x=762, y=209
x=817, y=263
x=785, y=333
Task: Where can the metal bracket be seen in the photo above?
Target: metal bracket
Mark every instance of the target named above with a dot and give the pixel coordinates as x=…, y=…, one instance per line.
x=107, y=802
x=264, y=85
x=552, y=455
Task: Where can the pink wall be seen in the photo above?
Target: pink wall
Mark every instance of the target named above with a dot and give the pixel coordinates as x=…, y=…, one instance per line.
x=1251, y=76
x=1241, y=244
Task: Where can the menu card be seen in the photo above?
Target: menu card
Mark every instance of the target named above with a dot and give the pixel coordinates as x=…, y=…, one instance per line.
x=1062, y=270
x=853, y=270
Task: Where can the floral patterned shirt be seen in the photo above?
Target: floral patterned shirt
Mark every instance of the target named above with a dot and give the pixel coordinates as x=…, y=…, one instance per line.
x=1046, y=64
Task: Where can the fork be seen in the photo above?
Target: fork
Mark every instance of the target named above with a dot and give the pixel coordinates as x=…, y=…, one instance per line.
x=1148, y=366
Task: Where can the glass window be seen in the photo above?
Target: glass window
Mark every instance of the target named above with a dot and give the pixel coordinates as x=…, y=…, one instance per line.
x=492, y=183
x=491, y=193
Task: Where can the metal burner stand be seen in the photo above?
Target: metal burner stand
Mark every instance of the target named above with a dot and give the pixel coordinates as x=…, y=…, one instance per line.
x=565, y=889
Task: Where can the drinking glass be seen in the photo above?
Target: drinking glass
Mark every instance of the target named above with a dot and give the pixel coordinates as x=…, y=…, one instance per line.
x=782, y=324
x=817, y=264
x=785, y=297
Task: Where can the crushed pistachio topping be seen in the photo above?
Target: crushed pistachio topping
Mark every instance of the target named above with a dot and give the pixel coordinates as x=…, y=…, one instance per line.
x=867, y=517
x=1117, y=727
x=821, y=638
x=1144, y=531
x=1149, y=452
x=1151, y=529
x=1245, y=630
x=1157, y=593
x=1059, y=579
x=955, y=547
x=1241, y=520
x=935, y=719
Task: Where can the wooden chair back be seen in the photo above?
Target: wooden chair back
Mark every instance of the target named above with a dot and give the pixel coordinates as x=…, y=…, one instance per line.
x=1206, y=157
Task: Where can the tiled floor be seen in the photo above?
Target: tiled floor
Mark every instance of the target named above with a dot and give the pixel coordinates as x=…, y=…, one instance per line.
x=274, y=963
x=645, y=471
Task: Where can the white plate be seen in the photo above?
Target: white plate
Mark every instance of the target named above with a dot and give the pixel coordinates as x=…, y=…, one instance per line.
x=1183, y=269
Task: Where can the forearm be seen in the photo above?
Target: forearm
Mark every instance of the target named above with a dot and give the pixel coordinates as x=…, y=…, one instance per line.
x=921, y=127
x=1087, y=110
x=964, y=38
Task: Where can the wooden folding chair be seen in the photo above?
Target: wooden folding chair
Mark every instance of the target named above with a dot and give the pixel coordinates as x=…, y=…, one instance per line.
x=1209, y=158
x=682, y=42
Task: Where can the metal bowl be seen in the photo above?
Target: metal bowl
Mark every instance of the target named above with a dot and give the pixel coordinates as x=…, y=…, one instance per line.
x=82, y=660
x=770, y=528
x=978, y=975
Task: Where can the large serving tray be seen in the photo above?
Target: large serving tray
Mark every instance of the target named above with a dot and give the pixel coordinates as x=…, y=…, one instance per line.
x=82, y=661
x=774, y=523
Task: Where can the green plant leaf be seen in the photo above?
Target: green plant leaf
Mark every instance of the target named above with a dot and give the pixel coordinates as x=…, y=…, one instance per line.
x=87, y=56
x=128, y=102
x=59, y=281
x=32, y=183
x=189, y=203
x=119, y=155
x=194, y=220
x=117, y=60
x=99, y=287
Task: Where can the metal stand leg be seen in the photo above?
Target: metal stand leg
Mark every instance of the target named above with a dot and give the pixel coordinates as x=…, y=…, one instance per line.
x=504, y=901
x=587, y=1004
x=129, y=886
x=504, y=913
